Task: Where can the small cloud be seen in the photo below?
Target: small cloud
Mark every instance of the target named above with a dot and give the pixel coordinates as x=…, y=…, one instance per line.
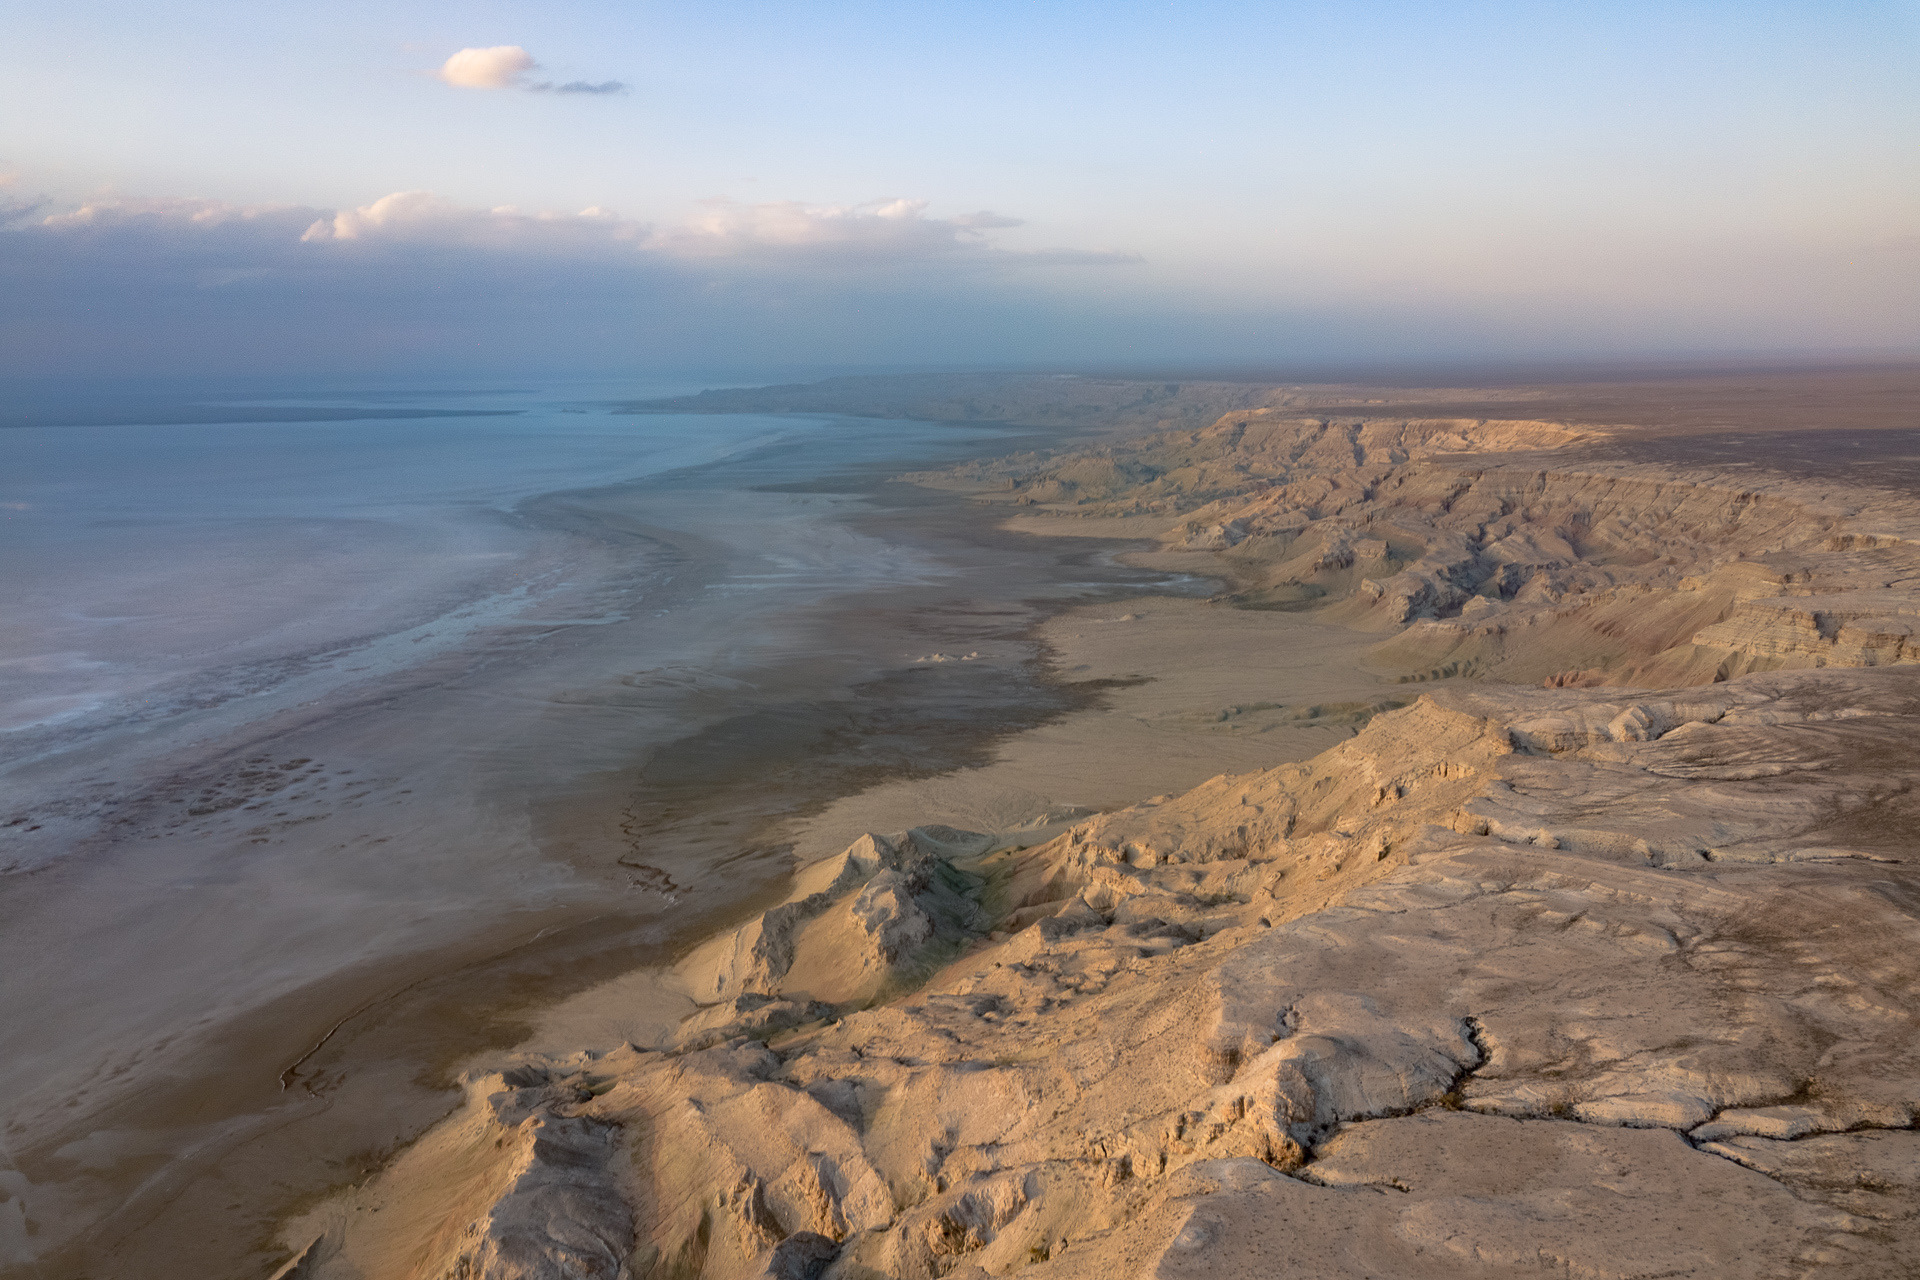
x=505, y=66
x=890, y=229
x=422, y=217
x=579, y=86
x=496, y=68
x=175, y=212
x=401, y=209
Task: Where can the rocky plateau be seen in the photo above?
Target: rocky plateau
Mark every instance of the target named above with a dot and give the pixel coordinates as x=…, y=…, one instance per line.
x=1600, y=958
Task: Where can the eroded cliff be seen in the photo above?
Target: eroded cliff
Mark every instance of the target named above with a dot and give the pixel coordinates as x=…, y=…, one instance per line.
x=1561, y=975
x=1495, y=548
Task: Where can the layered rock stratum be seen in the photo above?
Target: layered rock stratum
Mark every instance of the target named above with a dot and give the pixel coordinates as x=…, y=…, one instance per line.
x=1597, y=958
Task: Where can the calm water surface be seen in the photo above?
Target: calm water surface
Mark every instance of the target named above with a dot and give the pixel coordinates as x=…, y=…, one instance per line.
x=313, y=704
x=149, y=565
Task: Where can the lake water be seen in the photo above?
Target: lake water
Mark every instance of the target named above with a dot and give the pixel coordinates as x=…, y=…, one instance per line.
x=156, y=570
x=309, y=701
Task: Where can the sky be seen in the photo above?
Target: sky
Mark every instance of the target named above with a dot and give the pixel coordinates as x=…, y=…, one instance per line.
x=221, y=187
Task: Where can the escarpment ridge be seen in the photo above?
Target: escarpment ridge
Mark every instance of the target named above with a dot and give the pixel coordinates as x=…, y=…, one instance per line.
x=1597, y=957
x=1495, y=548
x=1101, y=404
x=1538, y=965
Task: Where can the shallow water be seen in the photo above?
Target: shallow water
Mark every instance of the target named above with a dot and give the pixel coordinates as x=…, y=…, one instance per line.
x=154, y=567
x=306, y=716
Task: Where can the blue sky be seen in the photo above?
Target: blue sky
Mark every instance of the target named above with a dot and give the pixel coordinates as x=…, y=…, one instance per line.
x=796, y=183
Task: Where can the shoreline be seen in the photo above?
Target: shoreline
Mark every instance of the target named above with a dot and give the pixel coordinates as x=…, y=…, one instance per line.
x=1014, y=968
x=499, y=968
x=1166, y=713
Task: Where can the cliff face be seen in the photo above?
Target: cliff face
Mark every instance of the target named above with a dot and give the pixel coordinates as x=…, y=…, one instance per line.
x=1491, y=548
x=1560, y=976
x=1617, y=984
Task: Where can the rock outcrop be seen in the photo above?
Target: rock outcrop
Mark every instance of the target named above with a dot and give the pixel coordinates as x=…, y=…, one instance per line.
x=1592, y=981
x=1497, y=549
x=1610, y=972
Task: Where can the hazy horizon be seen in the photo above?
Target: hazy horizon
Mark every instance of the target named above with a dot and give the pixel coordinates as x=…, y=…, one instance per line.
x=226, y=189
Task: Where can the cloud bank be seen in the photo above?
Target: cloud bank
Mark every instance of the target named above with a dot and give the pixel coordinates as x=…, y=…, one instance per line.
x=879, y=234
x=414, y=281
x=135, y=284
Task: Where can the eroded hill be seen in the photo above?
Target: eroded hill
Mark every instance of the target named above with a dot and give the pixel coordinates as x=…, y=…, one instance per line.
x=1549, y=971
x=1494, y=548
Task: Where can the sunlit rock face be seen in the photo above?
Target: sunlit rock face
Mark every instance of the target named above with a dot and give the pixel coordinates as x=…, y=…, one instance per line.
x=1608, y=969
x=1508, y=976
x=1497, y=549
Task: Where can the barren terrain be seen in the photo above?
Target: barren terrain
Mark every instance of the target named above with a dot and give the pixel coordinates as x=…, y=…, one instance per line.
x=1510, y=871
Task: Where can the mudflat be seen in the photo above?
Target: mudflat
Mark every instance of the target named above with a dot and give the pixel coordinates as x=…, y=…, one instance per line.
x=1505, y=863
x=244, y=952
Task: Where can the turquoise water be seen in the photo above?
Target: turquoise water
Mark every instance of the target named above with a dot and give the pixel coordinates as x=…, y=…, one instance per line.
x=138, y=558
x=304, y=698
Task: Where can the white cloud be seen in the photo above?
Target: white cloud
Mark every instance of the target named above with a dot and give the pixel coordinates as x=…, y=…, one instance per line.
x=888, y=228
x=879, y=233
x=421, y=217
x=505, y=66
x=165, y=211
x=879, y=237
x=496, y=68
